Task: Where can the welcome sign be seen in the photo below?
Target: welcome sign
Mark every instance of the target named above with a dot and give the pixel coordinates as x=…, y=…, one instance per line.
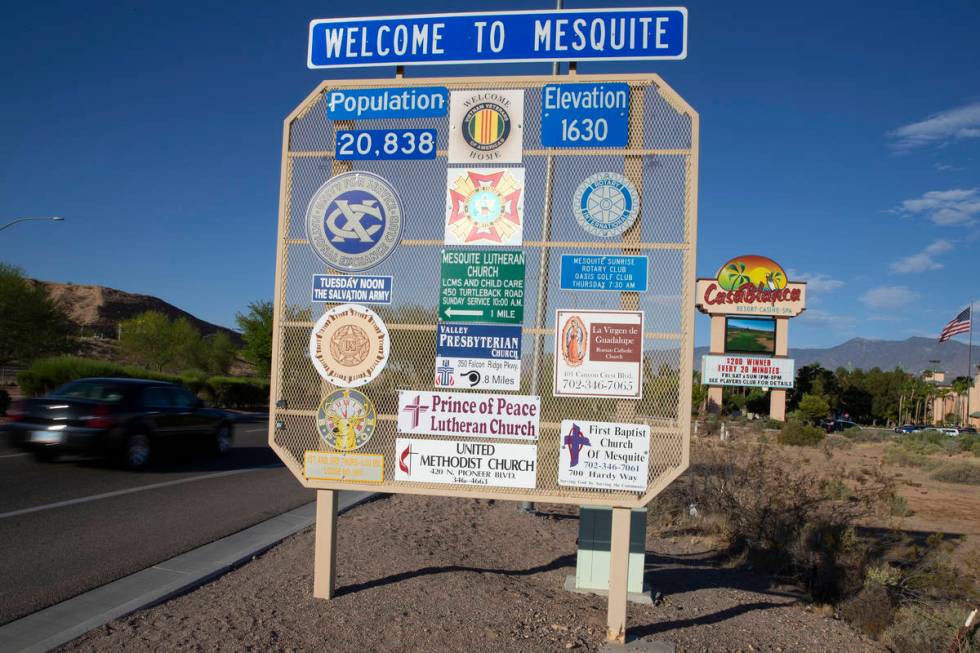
x=649, y=33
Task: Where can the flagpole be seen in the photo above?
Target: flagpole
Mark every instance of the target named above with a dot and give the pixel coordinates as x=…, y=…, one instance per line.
x=969, y=371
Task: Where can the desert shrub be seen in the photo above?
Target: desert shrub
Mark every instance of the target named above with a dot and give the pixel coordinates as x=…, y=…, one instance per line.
x=927, y=443
x=770, y=423
x=968, y=442
x=870, y=610
x=896, y=455
x=233, y=392
x=867, y=435
x=898, y=506
x=958, y=472
x=928, y=630
x=4, y=402
x=931, y=595
x=834, y=441
x=46, y=374
x=834, y=488
x=801, y=435
x=788, y=520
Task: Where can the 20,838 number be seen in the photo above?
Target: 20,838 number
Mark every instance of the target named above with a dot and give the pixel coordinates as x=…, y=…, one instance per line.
x=376, y=144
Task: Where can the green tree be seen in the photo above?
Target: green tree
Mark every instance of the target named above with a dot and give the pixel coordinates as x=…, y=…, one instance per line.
x=256, y=328
x=150, y=340
x=32, y=325
x=813, y=408
x=219, y=353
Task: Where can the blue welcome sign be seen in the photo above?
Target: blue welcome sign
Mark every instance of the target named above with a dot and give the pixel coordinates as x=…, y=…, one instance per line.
x=647, y=33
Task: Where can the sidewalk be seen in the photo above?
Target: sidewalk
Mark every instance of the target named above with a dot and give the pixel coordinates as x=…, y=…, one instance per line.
x=63, y=622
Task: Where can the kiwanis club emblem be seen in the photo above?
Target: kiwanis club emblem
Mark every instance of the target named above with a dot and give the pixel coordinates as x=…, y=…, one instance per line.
x=346, y=420
x=354, y=221
x=486, y=126
x=349, y=345
x=485, y=207
x=606, y=204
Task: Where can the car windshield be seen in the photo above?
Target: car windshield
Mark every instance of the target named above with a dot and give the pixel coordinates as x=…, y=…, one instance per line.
x=91, y=390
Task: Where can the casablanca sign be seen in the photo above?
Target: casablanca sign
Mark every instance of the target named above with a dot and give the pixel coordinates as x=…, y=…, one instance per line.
x=751, y=285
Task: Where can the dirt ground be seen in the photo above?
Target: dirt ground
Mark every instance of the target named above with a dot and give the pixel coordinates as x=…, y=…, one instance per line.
x=432, y=574
x=935, y=507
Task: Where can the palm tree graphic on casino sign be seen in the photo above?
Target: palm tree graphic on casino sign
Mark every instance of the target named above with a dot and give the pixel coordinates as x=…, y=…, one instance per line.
x=758, y=271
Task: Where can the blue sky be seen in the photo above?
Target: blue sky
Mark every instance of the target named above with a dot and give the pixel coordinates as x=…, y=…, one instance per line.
x=840, y=139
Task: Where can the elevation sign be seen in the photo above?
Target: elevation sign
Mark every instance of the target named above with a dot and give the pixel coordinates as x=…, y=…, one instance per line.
x=578, y=35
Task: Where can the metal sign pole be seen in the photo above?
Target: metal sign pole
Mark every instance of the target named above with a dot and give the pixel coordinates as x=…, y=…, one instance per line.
x=539, y=317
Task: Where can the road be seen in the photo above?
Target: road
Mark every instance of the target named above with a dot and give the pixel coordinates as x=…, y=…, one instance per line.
x=70, y=526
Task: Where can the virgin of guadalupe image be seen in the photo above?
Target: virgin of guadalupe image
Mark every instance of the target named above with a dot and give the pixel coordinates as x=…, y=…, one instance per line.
x=573, y=342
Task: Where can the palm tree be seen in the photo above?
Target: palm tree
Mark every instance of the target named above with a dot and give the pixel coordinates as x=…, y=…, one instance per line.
x=736, y=276
x=775, y=280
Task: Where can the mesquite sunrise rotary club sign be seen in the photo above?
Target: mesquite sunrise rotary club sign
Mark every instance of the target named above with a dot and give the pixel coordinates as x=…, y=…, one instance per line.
x=750, y=285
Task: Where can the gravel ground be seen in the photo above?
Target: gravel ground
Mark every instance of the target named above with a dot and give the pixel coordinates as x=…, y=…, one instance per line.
x=421, y=574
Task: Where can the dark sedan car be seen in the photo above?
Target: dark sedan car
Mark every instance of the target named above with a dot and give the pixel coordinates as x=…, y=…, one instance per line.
x=128, y=418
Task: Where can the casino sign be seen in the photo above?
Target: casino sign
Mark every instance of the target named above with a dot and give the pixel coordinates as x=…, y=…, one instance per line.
x=751, y=285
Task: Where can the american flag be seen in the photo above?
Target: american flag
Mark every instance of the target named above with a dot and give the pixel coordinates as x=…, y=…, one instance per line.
x=959, y=324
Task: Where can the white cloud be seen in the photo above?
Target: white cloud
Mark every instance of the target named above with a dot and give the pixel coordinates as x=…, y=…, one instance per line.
x=922, y=261
x=938, y=129
x=945, y=167
x=818, y=318
x=957, y=206
x=889, y=297
x=816, y=282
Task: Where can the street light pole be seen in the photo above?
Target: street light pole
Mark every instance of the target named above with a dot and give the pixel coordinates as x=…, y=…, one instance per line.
x=53, y=218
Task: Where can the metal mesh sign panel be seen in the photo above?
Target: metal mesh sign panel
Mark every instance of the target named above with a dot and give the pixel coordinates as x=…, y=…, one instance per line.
x=660, y=159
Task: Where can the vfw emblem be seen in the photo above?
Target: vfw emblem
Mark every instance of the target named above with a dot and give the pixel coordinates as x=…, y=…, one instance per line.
x=485, y=207
x=354, y=221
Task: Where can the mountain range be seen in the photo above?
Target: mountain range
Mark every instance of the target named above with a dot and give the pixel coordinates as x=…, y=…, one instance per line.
x=912, y=355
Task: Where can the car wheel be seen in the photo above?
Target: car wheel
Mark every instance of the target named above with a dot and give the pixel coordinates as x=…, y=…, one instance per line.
x=223, y=439
x=45, y=455
x=137, y=451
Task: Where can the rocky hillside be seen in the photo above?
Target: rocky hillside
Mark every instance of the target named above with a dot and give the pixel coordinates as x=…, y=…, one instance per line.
x=98, y=310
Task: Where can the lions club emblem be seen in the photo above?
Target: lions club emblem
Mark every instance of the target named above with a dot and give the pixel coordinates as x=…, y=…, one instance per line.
x=606, y=204
x=346, y=420
x=354, y=221
x=349, y=345
x=485, y=207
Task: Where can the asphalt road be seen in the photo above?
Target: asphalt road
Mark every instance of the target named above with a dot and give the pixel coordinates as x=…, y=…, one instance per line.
x=69, y=526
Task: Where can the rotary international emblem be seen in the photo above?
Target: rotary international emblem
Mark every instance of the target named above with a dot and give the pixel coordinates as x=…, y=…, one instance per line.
x=354, y=220
x=485, y=207
x=349, y=345
x=346, y=420
x=606, y=204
